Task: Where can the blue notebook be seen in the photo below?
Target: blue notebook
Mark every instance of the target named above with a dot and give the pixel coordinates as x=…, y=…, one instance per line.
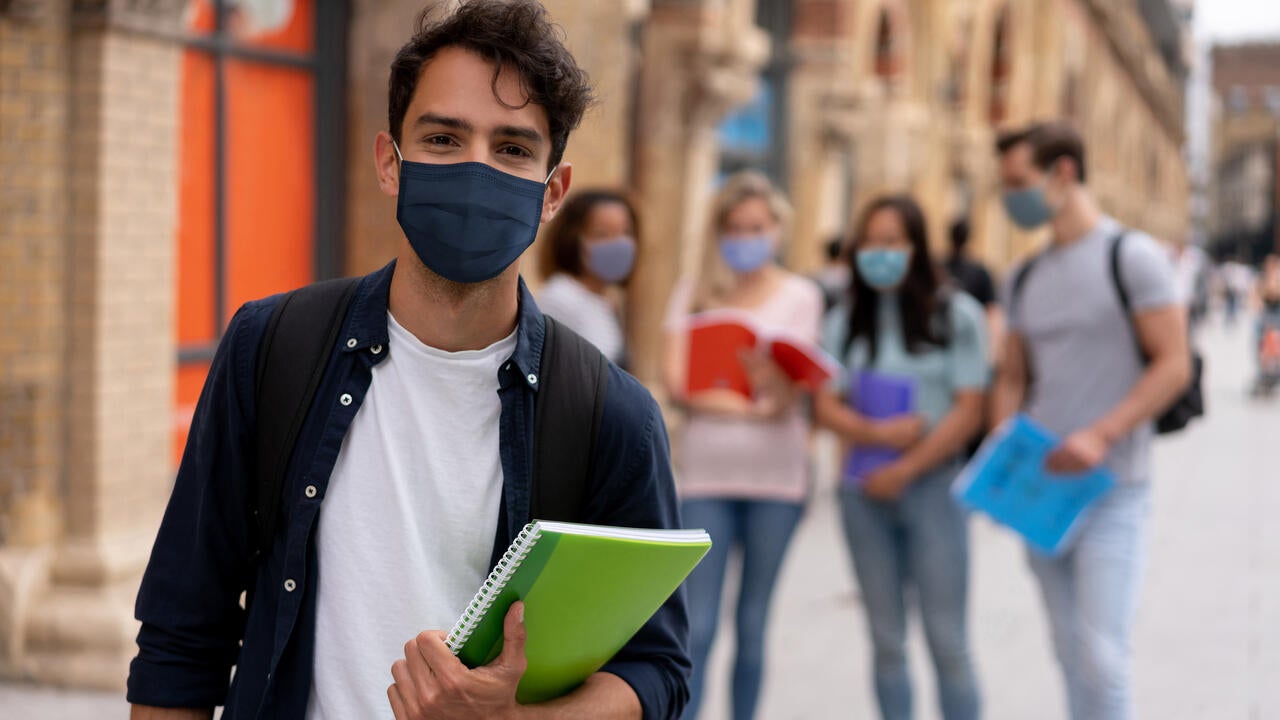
x=1007, y=481
x=878, y=396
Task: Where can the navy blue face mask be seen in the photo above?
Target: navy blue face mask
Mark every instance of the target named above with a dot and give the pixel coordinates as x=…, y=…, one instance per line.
x=467, y=221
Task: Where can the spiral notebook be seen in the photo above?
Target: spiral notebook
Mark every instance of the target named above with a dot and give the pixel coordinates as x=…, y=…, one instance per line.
x=587, y=589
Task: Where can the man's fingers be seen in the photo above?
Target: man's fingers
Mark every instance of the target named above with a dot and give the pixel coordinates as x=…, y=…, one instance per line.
x=398, y=707
x=513, y=638
x=444, y=665
x=406, y=691
x=416, y=669
x=1063, y=462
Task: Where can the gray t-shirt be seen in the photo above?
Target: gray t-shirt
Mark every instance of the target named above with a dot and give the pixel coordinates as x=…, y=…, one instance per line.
x=1082, y=351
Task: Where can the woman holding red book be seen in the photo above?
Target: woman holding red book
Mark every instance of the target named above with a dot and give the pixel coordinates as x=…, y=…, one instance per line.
x=743, y=467
x=900, y=327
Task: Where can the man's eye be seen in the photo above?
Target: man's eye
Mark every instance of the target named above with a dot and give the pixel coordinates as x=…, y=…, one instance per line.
x=440, y=140
x=515, y=150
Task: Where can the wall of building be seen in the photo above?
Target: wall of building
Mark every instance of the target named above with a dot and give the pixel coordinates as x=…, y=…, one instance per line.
x=1245, y=207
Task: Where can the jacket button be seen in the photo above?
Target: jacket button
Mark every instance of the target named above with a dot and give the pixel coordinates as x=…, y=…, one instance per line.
x=376, y=349
x=533, y=379
x=290, y=585
x=352, y=342
x=345, y=399
x=310, y=491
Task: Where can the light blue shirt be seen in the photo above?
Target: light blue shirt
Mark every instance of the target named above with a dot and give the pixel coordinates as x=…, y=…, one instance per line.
x=939, y=372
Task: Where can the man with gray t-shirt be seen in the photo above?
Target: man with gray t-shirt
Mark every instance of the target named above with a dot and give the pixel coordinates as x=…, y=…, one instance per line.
x=1071, y=363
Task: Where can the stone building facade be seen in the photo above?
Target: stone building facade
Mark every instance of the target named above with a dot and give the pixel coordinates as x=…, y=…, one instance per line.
x=133, y=219
x=1245, y=151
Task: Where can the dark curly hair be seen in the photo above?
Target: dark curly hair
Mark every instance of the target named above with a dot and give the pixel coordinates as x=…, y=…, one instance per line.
x=511, y=33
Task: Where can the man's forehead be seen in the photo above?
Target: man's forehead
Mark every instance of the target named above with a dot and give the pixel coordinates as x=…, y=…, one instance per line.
x=460, y=83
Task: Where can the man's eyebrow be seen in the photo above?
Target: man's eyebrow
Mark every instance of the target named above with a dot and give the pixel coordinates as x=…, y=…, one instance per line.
x=449, y=122
x=519, y=131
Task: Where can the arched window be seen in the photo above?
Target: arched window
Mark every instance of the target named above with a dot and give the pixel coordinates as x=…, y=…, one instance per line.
x=1001, y=55
x=888, y=62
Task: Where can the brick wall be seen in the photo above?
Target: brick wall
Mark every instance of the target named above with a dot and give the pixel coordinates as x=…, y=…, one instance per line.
x=33, y=126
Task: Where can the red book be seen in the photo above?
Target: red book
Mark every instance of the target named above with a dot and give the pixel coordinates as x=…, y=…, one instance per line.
x=718, y=337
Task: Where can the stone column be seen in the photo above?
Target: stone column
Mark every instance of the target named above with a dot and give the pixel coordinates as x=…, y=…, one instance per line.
x=123, y=204
x=699, y=62
x=817, y=148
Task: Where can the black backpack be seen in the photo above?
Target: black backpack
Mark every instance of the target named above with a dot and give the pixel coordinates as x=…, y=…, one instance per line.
x=1190, y=404
x=295, y=351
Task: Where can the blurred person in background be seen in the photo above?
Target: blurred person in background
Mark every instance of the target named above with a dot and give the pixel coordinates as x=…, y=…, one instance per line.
x=1237, y=287
x=1191, y=268
x=1093, y=388
x=590, y=250
x=975, y=279
x=1267, y=334
x=906, y=533
x=743, y=465
x=834, y=276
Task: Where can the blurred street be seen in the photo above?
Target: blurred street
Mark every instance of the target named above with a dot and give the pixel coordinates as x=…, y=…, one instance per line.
x=1207, y=640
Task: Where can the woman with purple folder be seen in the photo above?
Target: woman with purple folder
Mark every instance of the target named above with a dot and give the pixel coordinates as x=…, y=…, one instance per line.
x=915, y=355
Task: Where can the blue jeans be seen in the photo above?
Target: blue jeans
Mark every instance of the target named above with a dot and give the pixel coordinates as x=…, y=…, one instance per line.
x=761, y=529
x=1091, y=594
x=920, y=541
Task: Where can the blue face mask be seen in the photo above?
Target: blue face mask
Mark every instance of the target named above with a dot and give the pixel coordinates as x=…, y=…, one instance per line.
x=883, y=270
x=611, y=260
x=746, y=253
x=1027, y=207
x=467, y=221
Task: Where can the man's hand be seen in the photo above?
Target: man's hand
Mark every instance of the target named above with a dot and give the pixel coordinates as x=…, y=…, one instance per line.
x=430, y=682
x=887, y=483
x=1082, y=451
x=901, y=432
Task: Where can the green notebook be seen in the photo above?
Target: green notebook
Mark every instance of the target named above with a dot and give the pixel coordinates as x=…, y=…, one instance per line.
x=587, y=589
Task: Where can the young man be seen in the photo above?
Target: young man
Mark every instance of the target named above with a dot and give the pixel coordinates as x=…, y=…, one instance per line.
x=419, y=442
x=1071, y=342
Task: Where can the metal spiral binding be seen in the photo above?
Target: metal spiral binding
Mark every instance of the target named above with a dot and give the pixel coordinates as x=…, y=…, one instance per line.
x=491, y=588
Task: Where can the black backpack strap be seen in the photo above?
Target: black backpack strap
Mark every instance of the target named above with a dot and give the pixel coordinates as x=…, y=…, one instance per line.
x=1019, y=282
x=566, y=423
x=291, y=361
x=1125, y=303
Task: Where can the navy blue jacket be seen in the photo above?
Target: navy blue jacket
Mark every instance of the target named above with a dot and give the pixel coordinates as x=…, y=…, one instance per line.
x=189, y=603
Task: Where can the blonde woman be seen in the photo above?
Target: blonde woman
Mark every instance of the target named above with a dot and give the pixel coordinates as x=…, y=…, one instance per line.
x=743, y=470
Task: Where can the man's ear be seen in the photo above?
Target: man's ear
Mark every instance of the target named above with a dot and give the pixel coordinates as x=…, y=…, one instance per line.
x=387, y=164
x=1066, y=171
x=557, y=188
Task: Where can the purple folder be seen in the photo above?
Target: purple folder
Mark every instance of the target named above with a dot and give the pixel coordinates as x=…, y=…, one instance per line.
x=878, y=396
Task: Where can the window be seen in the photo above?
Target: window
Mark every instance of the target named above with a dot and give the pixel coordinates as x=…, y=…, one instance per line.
x=1272, y=99
x=754, y=136
x=1238, y=100
x=1000, y=69
x=259, y=207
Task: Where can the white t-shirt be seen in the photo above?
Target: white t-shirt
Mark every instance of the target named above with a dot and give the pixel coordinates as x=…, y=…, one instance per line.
x=584, y=312
x=407, y=525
